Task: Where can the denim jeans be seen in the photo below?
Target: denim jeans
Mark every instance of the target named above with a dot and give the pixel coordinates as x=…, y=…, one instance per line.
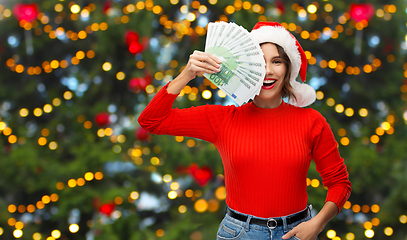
x=233, y=229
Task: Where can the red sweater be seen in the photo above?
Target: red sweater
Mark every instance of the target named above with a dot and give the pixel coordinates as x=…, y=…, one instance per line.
x=266, y=153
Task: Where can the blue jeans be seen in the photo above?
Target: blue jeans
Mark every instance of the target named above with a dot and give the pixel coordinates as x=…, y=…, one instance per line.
x=233, y=229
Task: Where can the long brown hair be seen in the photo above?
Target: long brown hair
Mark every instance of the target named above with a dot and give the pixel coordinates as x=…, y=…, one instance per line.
x=287, y=90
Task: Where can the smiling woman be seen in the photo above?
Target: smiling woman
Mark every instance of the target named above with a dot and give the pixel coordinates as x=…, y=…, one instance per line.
x=252, y=152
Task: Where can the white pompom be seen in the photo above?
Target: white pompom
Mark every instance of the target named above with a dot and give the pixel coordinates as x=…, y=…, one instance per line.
x=304, y=93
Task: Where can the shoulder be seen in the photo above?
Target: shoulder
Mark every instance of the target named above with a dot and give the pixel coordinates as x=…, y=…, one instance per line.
x=308, y=116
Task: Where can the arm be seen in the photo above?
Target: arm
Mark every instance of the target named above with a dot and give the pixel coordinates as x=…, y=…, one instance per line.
x=334, y=176
x=159, y=117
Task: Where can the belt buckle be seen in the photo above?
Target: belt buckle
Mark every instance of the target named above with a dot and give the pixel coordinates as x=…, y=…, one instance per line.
x=271, y=223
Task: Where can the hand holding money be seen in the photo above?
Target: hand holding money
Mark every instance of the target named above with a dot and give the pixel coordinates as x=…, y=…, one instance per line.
x=202, y=62
x=199, y=63
x=243, y=68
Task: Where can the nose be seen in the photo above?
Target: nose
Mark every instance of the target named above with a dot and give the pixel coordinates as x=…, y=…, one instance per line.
x=269, y=69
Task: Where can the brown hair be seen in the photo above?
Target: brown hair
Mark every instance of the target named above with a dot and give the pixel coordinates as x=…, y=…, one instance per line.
x=287, y=90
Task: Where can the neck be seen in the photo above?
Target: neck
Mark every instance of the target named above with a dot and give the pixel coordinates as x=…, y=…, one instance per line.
x=267, y=104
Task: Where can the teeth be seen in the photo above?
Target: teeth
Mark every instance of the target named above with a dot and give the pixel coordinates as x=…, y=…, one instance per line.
x=269, y=81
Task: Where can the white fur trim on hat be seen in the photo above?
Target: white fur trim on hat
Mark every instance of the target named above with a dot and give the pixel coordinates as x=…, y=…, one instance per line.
x=279, y=35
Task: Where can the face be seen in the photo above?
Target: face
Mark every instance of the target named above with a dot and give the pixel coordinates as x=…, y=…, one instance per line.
x=271, y=91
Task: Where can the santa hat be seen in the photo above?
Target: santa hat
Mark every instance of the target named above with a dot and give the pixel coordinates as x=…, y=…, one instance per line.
x=275, y=33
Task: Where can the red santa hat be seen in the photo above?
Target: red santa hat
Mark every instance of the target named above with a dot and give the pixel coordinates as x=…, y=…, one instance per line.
x=275, y=33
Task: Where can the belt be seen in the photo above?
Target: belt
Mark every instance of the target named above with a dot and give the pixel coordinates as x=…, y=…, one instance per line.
x=271, y=222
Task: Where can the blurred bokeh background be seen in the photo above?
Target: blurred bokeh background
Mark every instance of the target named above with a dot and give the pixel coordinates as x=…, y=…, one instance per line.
x=75, y=75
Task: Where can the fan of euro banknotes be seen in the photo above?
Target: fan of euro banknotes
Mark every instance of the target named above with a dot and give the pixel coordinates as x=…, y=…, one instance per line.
x=243, y=68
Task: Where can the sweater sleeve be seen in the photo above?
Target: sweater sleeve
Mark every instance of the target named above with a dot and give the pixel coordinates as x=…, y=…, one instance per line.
x=201, y=122
x=329, y=163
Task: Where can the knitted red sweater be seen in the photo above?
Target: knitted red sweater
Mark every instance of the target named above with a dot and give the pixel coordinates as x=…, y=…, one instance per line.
x=266, y=153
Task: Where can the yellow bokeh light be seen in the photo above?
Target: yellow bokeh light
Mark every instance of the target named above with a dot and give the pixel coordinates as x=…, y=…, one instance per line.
x=72, y=183
x=150, y=89
x=59, y=7
x=172, y=195
x=350, y=236
x=54, y=197
x=24, y=112
x=386, y=126
x=345, y=141
x=167, y=178
x=189, y=193
x=368, y=225
x=328, y=7
x=88, y=176
x=375, y=221
x=6, y=130
x=80, y=181
x=40, y=205
x=74, y=228
x=60, y=185
x=374, y=139
x=312, y=8
x=369, y=233
x=120, y=75
x=339, y=108
x=75, y=8
x=320, y=95
x=182, y=209
x=68, y=95
x=190, y=143
x=134, y=195
x=388, y=231
x=56, y=102
x=98, y=176
x=155, y=161
x=42, y=141
x=46, y=199
x=174, y=186
x=315, y=183
x=220, y=193
x=201, y=205
x=403, y=219
x=37, y=112
x=37, y=236
x=375, y=208
x=107, y=66
x=56, y=234
x=12, y=208
x=363, y=112
x=53, y=145
x=331, y=234
x=330, y=102
x=17, y=233
x=159, y=233
x=305, y=35
x=12, y=139
x=206, y=94
x=47, y=108
x=349, y=112
x=356, y=208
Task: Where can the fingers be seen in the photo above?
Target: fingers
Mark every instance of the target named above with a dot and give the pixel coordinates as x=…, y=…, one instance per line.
x=201, y=62
x=289, y=234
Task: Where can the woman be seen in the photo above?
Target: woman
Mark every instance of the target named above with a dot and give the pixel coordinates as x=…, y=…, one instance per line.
x=266, y=145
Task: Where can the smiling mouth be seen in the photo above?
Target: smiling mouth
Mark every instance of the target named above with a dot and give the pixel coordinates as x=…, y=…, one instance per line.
x=268, y=83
